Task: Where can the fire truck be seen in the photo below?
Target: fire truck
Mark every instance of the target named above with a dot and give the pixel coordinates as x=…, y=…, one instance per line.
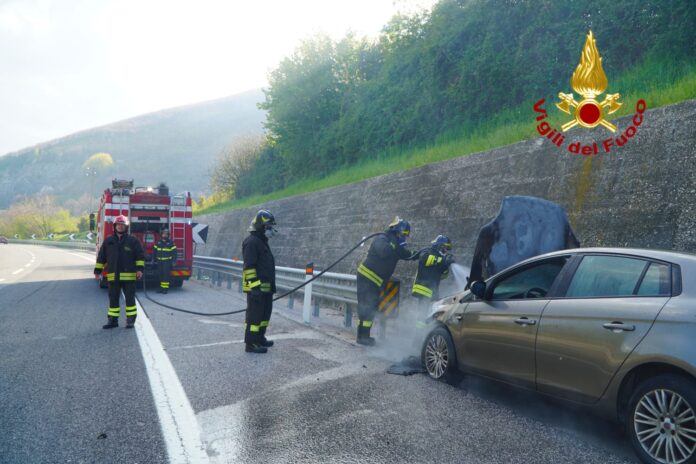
x=150, y=210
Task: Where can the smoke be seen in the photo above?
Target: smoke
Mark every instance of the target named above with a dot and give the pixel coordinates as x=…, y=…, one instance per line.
x=460, y=274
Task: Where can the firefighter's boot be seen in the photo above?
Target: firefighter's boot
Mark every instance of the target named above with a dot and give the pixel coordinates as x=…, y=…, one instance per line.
x=267, y=343
x=112, y=322
x=364, y=336
x=130, y=322
x=255, y=348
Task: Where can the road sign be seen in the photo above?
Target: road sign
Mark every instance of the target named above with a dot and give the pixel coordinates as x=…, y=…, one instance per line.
x=200, y=232
x=50, y=236
x=89, y=236
x=16, y=235
x=72, y=237
x=33, y=236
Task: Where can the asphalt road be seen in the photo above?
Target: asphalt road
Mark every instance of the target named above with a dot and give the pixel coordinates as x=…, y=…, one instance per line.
x=316, y=397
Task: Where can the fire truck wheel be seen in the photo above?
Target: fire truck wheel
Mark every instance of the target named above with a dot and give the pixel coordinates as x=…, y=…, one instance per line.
x=176, y=283
x=439, y=356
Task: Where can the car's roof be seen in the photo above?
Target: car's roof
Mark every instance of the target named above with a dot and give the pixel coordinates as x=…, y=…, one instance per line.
x=662, y=255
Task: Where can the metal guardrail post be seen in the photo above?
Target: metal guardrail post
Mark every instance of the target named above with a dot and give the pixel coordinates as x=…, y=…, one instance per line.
x=309, y=272
x=315, y=313
x=219, y=279
x=291, y=301
x=199, y=274
x=348, y=316
x=229, y=281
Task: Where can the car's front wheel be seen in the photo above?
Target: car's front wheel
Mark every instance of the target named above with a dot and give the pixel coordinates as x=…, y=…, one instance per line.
x=439, y=356
x=661, y=420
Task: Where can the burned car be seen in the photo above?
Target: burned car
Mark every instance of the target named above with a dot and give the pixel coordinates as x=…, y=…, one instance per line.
x=609, y=328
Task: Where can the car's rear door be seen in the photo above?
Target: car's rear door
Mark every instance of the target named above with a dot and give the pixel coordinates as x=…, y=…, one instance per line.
x=608, y=306
x=496, y=336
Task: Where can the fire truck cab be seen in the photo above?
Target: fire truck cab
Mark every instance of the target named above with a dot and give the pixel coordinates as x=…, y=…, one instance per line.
x=150, y=210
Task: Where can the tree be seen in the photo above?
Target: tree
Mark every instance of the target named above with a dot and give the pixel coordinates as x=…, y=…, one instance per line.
x=233, y=162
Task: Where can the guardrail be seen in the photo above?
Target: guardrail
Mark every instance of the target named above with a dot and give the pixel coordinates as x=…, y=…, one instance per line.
x=80, y=245
x=331, y=287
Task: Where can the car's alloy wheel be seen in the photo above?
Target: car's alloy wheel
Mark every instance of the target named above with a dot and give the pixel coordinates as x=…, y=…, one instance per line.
x=662, y=420
x=436, y=356
x=665, y=426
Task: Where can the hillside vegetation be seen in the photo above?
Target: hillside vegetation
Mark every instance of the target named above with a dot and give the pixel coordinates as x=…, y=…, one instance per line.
x=459, y=79
x=176, y=146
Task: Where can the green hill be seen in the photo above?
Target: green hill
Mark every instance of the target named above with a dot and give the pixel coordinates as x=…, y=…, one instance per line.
x=176, y=146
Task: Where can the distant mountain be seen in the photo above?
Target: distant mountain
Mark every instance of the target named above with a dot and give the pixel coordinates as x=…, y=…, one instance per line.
x=176, y=146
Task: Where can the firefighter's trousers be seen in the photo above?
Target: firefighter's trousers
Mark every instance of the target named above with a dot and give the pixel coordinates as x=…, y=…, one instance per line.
x=368, y=302
x=164, y=269
x=128, y=287
x=258, y=315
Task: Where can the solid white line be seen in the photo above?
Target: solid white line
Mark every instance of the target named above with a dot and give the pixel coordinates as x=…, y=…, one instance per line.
x=177, y=419
x=91, y=259
x=17, y=271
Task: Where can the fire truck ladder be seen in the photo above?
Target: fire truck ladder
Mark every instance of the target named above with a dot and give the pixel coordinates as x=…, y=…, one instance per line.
x=178, y=226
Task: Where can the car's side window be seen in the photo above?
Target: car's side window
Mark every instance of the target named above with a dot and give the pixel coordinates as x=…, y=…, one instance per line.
x=657, y=281
x=531, y=282
x=606, y=276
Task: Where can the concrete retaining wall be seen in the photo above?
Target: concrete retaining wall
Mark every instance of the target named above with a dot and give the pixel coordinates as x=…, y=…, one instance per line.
x=641, y=195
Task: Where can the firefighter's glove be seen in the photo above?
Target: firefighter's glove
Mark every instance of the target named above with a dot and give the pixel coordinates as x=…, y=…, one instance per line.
x=449, y=259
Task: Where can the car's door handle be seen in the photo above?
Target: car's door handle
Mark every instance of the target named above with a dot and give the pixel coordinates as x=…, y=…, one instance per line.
x=525, y=321
x=459, y=317
x=619, y=326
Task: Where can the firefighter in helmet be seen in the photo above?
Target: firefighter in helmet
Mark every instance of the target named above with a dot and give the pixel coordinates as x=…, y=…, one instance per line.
x=433, y=266
x=165, y=256
x=123, y=257
x=258, y=281
x=373, y=273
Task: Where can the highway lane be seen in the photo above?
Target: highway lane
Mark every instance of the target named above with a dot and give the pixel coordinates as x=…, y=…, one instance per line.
x=318, y=397
x=69, y=391
x=315, y=397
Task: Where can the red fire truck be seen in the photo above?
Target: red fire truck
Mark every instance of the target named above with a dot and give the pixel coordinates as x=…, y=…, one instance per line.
x=149, y=210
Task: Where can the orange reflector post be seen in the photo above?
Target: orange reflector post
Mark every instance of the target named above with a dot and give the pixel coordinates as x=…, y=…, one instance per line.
x=309, y=269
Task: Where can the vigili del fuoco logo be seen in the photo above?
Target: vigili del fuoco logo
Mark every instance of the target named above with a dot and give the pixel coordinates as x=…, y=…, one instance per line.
x=589, y=81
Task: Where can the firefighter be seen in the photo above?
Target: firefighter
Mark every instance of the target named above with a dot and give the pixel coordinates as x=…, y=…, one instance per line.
x=433, y=266
x=165, y=256
x=124, y=259
x=375, y=272
x=258, y=282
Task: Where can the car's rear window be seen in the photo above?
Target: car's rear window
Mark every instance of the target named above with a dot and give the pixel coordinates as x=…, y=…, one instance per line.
x=656, y=281
x=606, y=276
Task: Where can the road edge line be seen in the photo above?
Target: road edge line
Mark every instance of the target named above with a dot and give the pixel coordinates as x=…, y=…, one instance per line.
x=178, y=422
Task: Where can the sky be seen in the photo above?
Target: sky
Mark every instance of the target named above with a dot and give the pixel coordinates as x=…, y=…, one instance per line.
x=69, y=65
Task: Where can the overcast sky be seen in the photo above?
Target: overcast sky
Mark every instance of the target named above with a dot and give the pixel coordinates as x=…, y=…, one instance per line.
x=69, y=65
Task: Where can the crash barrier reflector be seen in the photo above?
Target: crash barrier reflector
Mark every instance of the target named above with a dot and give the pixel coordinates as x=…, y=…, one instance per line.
x=332, y=287
x=389, y=299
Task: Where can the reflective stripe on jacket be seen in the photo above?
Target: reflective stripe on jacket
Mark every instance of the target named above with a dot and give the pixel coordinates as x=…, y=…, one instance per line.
x=382, y=257
x=259, y=265
x=121, y=258
x=165, y=250
x=431, y=269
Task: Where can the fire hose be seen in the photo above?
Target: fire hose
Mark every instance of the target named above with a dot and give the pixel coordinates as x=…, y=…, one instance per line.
x=345, y=255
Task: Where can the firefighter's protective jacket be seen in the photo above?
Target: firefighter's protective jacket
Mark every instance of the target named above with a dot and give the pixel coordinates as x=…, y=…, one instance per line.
x=432, y=267
x=382, y=257
x=122, y=258
x=259, y=265
x=165, y=250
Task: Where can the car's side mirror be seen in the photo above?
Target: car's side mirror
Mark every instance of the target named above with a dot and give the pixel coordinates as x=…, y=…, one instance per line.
x=92, y=222
x=478, y=288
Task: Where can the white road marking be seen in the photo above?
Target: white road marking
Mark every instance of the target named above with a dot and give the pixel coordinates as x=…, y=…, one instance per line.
x=17, y=271
x=177, y=419
x=92, y=259
x=2, y=280
x=231, y=324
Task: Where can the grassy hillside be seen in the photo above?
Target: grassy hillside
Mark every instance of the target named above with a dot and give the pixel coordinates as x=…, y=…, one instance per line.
x=176, y=146
x=646, y=81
